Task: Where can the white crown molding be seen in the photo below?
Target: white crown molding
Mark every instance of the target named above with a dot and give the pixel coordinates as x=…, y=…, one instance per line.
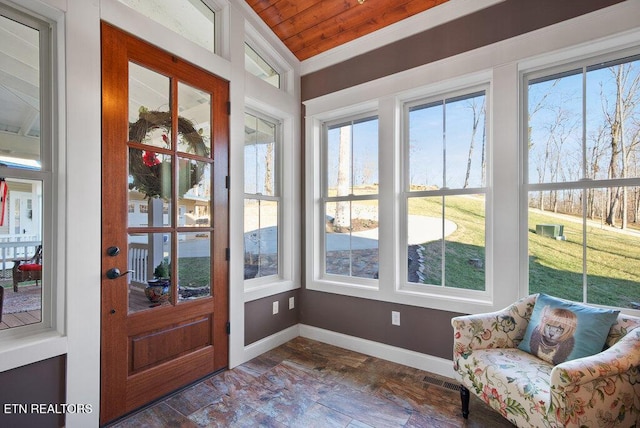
x=415, y=24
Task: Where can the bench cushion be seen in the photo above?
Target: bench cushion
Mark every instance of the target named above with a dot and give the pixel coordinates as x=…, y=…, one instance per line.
x=30, y=267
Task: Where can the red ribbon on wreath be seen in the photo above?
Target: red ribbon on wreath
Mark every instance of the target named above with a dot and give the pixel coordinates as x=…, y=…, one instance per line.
x=150, y=159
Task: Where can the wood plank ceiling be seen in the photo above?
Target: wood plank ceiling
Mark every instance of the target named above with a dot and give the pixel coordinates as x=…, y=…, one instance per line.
x=310, y=27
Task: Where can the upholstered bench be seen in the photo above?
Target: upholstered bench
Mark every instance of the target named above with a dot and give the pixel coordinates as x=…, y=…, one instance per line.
x=492, y=361
x=28, y=269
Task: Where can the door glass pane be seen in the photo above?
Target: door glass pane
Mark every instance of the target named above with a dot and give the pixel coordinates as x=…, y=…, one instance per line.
x=150, y=260
x=19, y=95
x=149, y=107
x=194, y=265
x=149, y=188
x=194, y=183
x=194, y=127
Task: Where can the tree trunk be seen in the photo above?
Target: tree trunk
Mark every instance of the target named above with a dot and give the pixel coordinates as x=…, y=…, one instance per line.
x=268, y=174
x=476, y=120
x=343, y=217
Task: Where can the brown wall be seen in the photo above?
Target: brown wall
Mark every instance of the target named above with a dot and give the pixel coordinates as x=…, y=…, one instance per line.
x=259, y=321
x=499, y=22
x=423, y=330
x=39, y=383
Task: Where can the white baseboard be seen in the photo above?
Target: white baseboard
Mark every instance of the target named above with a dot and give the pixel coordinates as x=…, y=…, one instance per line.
x=270, y=342
x=436, y=365
x=425, y=362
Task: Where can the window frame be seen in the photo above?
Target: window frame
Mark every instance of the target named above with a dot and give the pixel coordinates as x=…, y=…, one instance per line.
x=254, y=283
x=269, y=54
x=351, y=119
x=529, y=73
x=288, y=237
x=52, y=300
x=392, y=285
x=433, y=290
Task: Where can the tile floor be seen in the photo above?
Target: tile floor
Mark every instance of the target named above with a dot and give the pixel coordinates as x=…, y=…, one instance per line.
x=305, y=383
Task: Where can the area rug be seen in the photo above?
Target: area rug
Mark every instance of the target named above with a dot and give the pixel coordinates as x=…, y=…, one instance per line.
x=28, y=298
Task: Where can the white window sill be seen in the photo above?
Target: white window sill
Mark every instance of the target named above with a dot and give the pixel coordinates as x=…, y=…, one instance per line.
x=20, y=351
x=256, y=289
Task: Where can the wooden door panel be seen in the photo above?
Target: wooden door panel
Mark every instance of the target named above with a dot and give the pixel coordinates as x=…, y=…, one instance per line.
x=150, y=351
x=148, y=385
x=154, y=347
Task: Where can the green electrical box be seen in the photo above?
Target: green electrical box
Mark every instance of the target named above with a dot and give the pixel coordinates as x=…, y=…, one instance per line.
x=550, y=230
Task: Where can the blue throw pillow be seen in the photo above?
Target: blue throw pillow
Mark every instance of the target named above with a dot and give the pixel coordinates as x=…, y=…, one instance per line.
x=560, y=330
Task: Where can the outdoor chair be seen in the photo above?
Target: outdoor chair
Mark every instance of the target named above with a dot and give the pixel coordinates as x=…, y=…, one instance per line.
x=507, y=359
x=28, y=269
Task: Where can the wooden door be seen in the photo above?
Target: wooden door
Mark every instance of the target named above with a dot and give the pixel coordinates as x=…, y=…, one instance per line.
x=165, y=142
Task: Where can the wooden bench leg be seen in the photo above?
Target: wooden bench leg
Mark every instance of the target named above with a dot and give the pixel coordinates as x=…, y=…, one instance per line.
x=464, y=398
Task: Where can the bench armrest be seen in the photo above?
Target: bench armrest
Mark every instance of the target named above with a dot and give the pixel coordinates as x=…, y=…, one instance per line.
x=622, y=357
x=501, y=329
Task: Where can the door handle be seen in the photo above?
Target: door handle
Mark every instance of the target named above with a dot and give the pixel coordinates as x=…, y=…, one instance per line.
x=114, y=273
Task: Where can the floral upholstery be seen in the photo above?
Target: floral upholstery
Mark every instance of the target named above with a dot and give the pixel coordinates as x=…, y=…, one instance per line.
x=601, y=390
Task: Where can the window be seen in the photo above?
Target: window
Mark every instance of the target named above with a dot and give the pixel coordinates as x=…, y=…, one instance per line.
x=261, y=196
x=445, y=193
x=191, y=19
x=582, y=181
x=26, y=168
x=256, y=65
x=350, y=198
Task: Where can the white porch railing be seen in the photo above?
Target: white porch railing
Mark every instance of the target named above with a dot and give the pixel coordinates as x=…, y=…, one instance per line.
x=10, y=251
x=138, y=263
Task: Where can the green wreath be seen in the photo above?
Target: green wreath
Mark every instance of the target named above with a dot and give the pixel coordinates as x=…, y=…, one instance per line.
x=151, y=176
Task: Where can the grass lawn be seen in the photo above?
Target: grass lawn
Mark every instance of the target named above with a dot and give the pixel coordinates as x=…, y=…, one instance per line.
x=555, y=266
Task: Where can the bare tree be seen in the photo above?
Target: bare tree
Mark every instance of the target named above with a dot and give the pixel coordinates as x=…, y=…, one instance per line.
x=541, y=163
x=478, y=113
x=627, y=81
x=343, y=217
x=268, y=173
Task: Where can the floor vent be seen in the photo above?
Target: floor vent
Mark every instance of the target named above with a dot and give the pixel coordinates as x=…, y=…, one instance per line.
x=441, y=383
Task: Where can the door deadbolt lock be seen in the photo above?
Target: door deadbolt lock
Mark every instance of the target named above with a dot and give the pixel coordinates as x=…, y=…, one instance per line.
x=113, y=251
x=114, y=273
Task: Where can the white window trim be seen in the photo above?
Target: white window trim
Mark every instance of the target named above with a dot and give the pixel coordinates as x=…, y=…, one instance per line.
x=599, y=52
x=392, y=284
x=35, y=342
x=271, y=57
x=438, y=291
x=129, y=20
x=253, y=283
x=499, y=63
x=288, y=224
x=322, y=275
